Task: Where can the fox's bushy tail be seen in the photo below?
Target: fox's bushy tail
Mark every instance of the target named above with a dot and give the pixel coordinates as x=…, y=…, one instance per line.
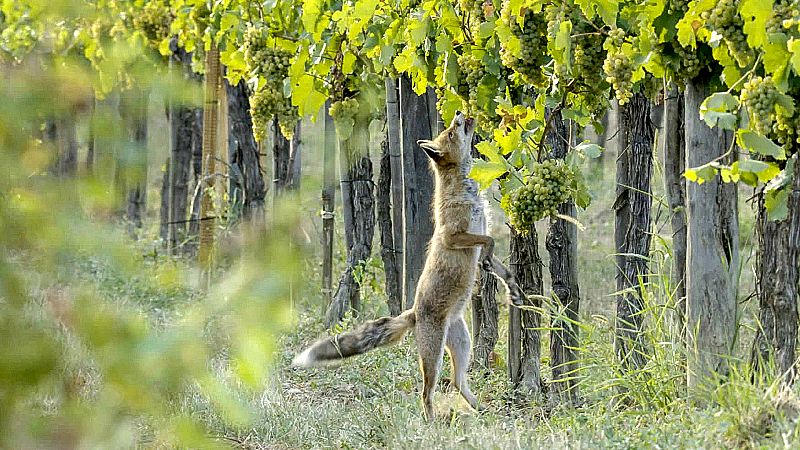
x=368, y=336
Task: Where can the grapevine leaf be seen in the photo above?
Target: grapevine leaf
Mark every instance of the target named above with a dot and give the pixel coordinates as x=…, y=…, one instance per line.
x=312, y=10
x=757, y=143
x=348, y=63
x=715, y=110
x=590, y=150
x=228, y=21
x=777, y=204
x=794, y=48
x=490, y=150
x=606, y=9
x=763, y=170
x=776, y=58
x=785, y=105
x=306, y=96
x=755, y=14
x=510, y=141
x=485, y=172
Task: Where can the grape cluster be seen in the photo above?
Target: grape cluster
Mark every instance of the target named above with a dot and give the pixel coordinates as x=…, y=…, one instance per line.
x=724, y=19
x=153, y=21
x=619, y=72
x=472, y=72
x=588, y=57
x=548, y=186
x=533, y=45
x=688, y=66
x=785, y=15
x=759, y=96
x=344, y=109
x=268, y=101
x=264, y=59
x=677, y=7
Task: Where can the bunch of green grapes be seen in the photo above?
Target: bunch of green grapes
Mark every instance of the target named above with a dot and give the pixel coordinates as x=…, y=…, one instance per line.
x=759, y=95
x=548, y=186
x=724, y=19
x=555, y=14
x=588, y=58
x=786, y=131
x=688, y=65
x=264, y=59
x=344, y=109
x=619, y=72
x=677, y=7
x=266, y=103
x=472, y=72
x=532, y=41
x=153, y=21
x=785, y=15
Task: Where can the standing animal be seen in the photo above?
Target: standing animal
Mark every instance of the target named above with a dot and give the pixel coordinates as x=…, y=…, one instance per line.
x=459, y=240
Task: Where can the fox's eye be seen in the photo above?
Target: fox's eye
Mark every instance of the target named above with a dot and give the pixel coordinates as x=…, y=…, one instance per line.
x=450, y=135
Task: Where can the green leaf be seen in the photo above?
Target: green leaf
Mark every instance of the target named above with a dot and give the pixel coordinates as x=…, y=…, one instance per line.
x=485, y=172
x=715, y=110
x=589, y=149
x=228, y=21
x=757, y=143
x=794, y=49
x=755, y=14
x=777, y=204
x=763, y=170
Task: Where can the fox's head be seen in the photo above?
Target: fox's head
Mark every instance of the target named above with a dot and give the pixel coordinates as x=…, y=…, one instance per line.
x=453, y=145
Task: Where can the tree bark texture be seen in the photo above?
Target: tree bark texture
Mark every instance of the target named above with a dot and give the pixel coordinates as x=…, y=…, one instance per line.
x=163, y=211
x=484, y=319
x=632, y=229
x=777, y=267
x=63, y=134
x=185, y=158
x=247, y=188
x=358, y=204
x=524, y=338
x=328, y=206
x=133, y=107
x=415, y=124
x=210, y=141
x=285, y=160
x=712, y=256
x=562, y=245
x=394, y=291
x=396, y=167
x=673, y=148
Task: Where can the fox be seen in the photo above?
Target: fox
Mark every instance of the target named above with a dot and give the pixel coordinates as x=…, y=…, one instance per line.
x=458, y=244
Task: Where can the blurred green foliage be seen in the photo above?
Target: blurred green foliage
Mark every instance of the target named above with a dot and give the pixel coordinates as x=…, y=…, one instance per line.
x=78, y=368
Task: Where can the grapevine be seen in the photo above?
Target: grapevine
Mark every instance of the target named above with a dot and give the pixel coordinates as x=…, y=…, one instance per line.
x=548, y=186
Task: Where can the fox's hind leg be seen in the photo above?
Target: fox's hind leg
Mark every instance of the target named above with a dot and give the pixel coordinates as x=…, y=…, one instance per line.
x=430, y=334
x=459, y=347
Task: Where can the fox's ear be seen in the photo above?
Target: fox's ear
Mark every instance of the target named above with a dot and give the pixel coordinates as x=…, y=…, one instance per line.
x=431, y=149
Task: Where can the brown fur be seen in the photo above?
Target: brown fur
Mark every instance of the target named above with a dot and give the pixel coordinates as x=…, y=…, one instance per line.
x=446, y=282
